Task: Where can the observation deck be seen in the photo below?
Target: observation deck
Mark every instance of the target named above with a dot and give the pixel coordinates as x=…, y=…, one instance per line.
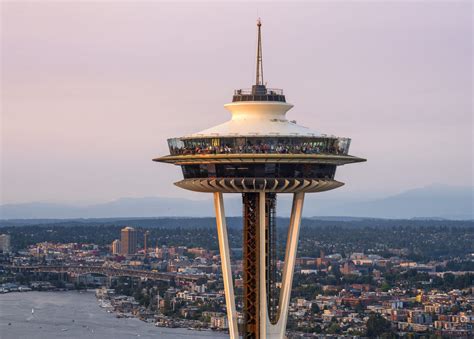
x=268, y=164
x=259, y=149
x=259, y=93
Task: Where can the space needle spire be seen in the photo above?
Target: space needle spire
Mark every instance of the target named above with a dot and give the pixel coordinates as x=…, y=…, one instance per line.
x=259, y=73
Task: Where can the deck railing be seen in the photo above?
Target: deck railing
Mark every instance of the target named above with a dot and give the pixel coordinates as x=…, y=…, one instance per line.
x=249, y=91
x=337, y=146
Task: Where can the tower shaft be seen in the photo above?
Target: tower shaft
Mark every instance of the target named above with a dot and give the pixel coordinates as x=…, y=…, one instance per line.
x=271, y=255
x=251, y=267
x=252, y=260
x=258, y=322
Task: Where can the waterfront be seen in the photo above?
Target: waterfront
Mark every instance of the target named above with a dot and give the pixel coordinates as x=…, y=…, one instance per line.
x=75, y=315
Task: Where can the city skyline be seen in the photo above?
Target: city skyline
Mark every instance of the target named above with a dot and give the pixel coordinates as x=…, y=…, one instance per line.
x=368, y=104
x=105, y=91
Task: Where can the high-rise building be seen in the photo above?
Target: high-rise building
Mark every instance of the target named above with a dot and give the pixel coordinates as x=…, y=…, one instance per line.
x=116, y=247
x=128, y=241
x=5, y=244
x=259, y=153
x=145, y=242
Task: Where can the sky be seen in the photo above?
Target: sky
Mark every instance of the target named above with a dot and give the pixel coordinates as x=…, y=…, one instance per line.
x=90, y=91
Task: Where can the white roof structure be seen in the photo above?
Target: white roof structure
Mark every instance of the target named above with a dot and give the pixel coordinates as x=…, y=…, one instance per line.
x=257, y=118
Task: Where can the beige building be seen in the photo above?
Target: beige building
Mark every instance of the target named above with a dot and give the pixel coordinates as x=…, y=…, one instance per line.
x=116, y=247
x=128, y=241
x=220, y=322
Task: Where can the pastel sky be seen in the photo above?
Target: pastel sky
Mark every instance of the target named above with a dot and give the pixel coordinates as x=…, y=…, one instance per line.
x=90, y=91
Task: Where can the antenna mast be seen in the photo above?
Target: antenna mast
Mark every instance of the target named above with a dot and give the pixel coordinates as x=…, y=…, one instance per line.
x=259, y=75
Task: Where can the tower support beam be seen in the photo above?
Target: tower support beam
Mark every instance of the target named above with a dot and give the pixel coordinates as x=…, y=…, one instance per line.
x=277, y=330
x=226, y=266
x=264, y=319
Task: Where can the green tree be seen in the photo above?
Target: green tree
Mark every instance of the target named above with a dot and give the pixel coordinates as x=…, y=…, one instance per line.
x=315, y=308
x=377, y=325
x=385, y=287
x=334, y=328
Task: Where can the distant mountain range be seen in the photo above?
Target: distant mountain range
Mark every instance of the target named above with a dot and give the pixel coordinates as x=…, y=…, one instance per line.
x=433, y=202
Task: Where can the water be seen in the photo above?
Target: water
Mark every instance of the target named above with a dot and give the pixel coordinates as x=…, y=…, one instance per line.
x=54, y=313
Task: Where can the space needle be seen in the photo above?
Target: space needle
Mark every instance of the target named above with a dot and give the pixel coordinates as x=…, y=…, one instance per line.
x=259, y=153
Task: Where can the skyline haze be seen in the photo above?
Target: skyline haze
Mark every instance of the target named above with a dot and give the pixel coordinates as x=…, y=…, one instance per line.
x=91, y=91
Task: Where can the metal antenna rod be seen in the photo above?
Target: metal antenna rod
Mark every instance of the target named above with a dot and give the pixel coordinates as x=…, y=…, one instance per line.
x=259, y=76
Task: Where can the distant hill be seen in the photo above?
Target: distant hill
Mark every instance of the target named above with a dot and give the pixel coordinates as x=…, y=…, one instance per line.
x=433, y=202
x=6, y=225
x=124, y=207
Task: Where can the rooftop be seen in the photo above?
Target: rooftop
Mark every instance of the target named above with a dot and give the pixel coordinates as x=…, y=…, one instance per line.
x=258, y=118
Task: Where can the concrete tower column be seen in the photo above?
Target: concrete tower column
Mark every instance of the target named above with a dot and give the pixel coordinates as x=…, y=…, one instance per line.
x=224, y=251
x=265, y=327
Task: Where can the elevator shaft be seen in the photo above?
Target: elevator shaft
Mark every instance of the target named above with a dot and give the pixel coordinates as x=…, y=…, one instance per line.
x=252, y=261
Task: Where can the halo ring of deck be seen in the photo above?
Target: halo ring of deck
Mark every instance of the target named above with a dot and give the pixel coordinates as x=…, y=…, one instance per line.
x=259, y=158
x=249, y=185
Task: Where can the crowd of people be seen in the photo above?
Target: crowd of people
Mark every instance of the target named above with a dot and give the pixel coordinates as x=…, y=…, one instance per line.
x=249, y=148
